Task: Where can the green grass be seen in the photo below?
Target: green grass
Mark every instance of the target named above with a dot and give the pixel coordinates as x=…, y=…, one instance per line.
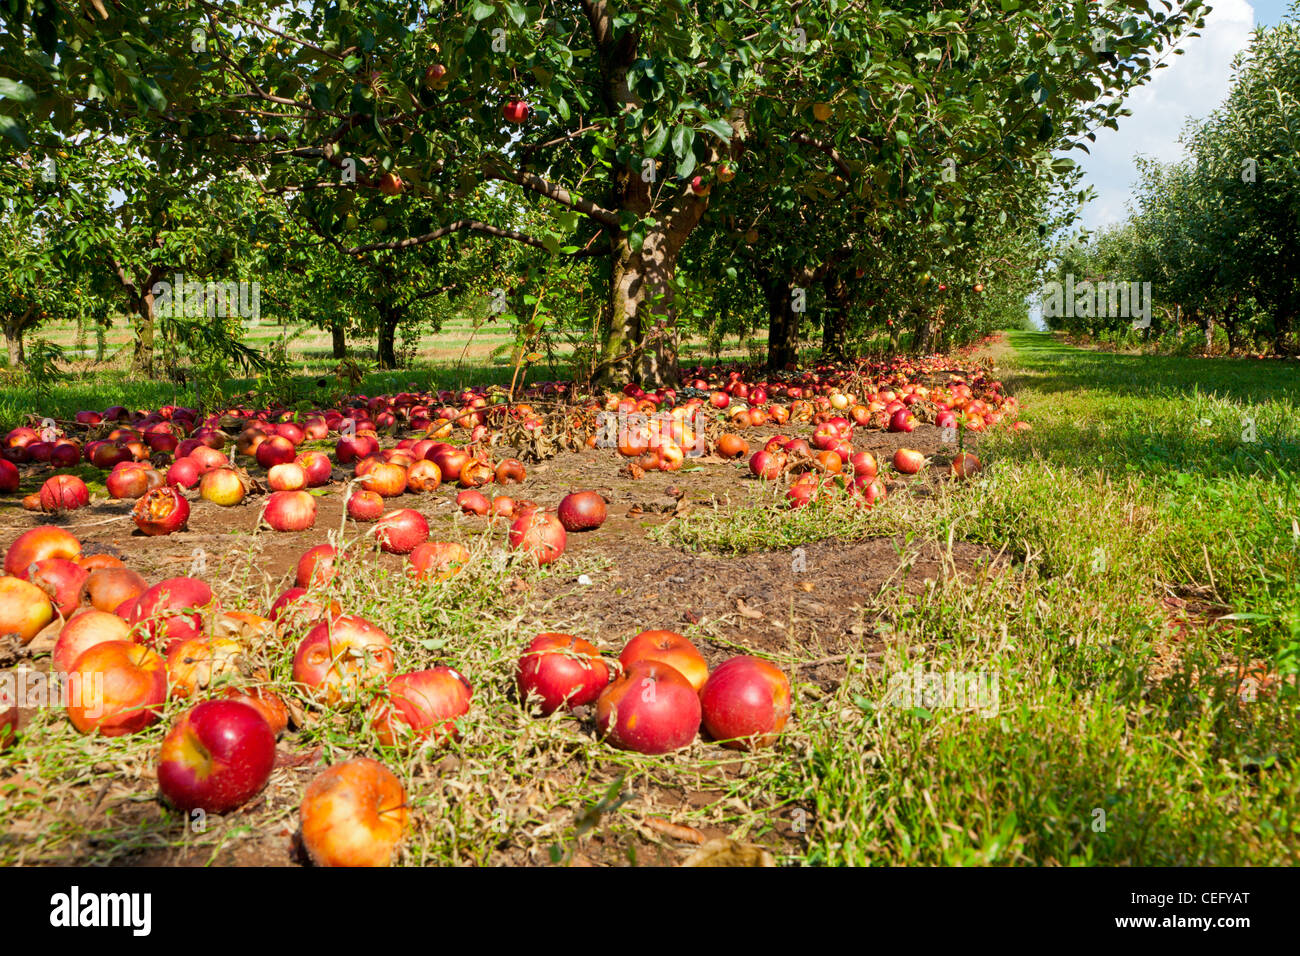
x=1113, y=742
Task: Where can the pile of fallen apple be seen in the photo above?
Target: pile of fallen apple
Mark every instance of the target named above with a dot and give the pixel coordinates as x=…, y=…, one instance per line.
x=172, y=639
x=142, y=645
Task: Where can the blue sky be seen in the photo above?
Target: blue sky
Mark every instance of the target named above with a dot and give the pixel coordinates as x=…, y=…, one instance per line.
x=1191, y=86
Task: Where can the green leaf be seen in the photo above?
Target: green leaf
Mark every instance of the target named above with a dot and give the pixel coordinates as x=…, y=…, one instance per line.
x=15, y=91
x=481, y=11
x=719, y=128
x=12, y=130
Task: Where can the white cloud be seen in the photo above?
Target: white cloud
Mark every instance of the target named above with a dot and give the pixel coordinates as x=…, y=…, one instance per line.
x=1190, y=86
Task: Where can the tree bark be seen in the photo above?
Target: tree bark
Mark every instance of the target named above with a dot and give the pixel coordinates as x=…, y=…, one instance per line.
x=922, y=335
x=14, y=340
x=782, y=325
x=142, y=360
x=835, y=320
x=388, y=318
x=339, y=343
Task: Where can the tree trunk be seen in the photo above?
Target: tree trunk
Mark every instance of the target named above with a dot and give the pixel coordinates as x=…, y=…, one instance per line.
x=782, y=326
x=835, y=321
x=388, y=316
x=142, y=361
x=340, y=343
x=14, y=340
x=922, y=336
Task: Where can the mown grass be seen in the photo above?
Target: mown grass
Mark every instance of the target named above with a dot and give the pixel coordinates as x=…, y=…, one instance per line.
x=1109, y=736
x=1117, y=739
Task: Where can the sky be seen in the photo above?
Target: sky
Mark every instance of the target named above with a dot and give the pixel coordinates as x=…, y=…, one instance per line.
x=1191, y=86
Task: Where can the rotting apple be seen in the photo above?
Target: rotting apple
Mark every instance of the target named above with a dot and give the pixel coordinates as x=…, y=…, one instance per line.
x=353, y=814
x=161, y=511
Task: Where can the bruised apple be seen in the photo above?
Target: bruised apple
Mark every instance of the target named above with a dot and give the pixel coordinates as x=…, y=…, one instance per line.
x=353, y=814
x=421, y=706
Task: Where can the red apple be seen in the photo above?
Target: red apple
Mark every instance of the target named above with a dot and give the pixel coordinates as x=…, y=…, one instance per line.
x=582, y=511
x=64, y=493
x=437, y=560
x=222, y=486
x=745, y=703
x=515, y=111
x=538, y=534
x=318, y=468
x=338, y=656
x=670, y=648
x=316, y=566
x=909, y=461
x=117, y=688
x=218, y=756
x=365, y=506
x=82, y=632
x=24, y=609
x=9, y=477
x=276, y=450
x=172, y=611
x=561, y=670
x=290, y=510
x=183, y=473
x=290, y=476
x=421, y=706
x=398, y=532
x=650, y=709
x=45, y=541
x=62, y=581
